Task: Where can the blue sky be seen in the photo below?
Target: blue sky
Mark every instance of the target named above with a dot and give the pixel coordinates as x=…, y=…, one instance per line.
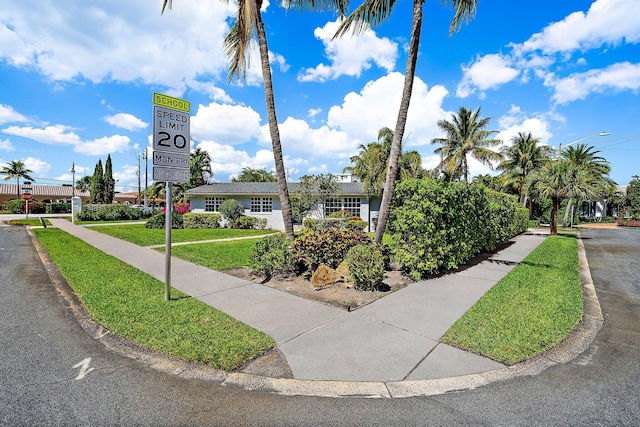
x=77, y=80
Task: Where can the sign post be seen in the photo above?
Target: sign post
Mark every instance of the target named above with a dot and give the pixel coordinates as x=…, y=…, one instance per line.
x=26, y=195
x=171, y=147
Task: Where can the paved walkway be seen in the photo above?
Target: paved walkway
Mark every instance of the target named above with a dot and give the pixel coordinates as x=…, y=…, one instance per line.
x=392, y=339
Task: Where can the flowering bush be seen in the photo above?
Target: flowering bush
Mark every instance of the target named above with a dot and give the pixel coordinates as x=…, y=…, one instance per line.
x=179, y=208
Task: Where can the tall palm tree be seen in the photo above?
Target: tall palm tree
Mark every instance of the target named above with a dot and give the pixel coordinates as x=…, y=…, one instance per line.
x=15, y=170
x=238, y=41
x=466, y=134
x=374, y=12
x=199, y=167
x=586, y=157
x=522, y=158
x=559, y=180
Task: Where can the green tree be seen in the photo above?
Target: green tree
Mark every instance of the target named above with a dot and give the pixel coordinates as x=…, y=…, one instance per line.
x=586, y=157
x=97, y=184
x=466, y=135
x=255, y=175
x=488, y=181
x=525, y=155
x=248, y=24
x=370, y=14
x=15, y=170
x=559, y=180
x=633, y=196
x=231, y=210
x=313, y=193
x=199, y=168
x=84, y=183
x=109, y=182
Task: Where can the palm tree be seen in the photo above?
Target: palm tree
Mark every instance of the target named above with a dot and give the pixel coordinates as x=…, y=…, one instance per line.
x=249, y=174
x=199, y=167
x=15, y=170
x=586, y=157
x=559, y=180
x=237, y=48
x=374, y=12
x=84, y=183
x=522, y=158
x=466, y=135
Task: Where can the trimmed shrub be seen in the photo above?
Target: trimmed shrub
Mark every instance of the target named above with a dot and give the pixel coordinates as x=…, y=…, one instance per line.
x=231, y=210
x=201, y=220
x=508, y=217
x=94, y=212
x=158, y=221
x=366, y=266
x=250, y=222
x=273, y=257
x=326, y=246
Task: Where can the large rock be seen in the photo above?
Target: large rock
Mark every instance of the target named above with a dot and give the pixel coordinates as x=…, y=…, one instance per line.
x=325, y=276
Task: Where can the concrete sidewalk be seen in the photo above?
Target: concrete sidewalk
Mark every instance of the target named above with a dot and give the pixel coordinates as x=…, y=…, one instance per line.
x=392, y=339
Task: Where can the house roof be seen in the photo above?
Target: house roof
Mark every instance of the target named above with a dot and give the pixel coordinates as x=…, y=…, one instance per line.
x=264, y=188
x=54, y=191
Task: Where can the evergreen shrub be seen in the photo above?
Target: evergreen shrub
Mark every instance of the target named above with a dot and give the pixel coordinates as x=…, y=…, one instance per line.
x=273, y=257
x=250, y=222
x=366, y=266
x=159, y=221
x=326, y=246
x=201, y=220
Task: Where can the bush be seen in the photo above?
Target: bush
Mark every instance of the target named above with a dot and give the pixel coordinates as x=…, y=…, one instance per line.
x=92, y=212
x=200, y=220
x=327, y=246
x=158, y=221
x=231, y=209
x=366, y=266
x=250, y=222
x=273, y=257
x=508, y=217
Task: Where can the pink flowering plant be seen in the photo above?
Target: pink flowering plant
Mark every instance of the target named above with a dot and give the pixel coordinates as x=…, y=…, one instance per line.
x=180, y=208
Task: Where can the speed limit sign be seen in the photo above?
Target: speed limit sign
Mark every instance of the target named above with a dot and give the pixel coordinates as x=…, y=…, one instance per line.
x=171, y=130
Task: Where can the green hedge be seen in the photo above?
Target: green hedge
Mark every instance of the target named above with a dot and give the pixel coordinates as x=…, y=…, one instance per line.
x=201, y=220
x=440, y=225
x=94, y=212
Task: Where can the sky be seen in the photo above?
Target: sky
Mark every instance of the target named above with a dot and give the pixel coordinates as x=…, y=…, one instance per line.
x=77, y=80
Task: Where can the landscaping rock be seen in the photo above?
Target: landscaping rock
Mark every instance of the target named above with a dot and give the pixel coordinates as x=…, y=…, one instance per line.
x=325, y=276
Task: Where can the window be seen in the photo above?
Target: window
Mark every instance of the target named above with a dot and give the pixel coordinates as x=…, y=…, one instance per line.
x=211, y=204
x=261, y=204
x=351, y=204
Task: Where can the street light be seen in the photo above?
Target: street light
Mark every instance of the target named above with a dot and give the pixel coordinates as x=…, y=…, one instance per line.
x=580, y=140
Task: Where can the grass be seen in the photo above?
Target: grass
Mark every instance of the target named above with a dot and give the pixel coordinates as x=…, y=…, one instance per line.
x=32, y=222
x=530, y=310
x=138, y=234
x=131, y=304
x=217, y=256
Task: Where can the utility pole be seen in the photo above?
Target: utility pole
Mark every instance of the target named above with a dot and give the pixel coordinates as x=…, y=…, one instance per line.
x=138, y=200
x=146, y=175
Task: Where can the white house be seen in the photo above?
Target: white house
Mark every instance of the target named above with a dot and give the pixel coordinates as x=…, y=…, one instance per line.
x=261, y=200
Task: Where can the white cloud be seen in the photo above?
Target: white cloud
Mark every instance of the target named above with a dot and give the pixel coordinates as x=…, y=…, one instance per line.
x=226, y=160
x=486, y=72
x=63, y=135
x=6, y=145
x=350, y=55
x=39, y=167
x=225, y=124
x=9, y=115
x=615, y=78
x=135, y=44
x=516, y=121
x=126, y=121
x=606, y=22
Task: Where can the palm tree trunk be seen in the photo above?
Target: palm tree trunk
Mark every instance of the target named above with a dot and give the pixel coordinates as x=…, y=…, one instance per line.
x=398, y=133
x=555, y=206
x=565, y=221
x=281, y=176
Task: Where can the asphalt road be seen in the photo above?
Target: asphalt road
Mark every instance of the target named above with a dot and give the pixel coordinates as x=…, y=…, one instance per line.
x=53, y=373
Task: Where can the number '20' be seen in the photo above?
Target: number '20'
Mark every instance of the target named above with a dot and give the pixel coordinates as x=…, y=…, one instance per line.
x=179, y=141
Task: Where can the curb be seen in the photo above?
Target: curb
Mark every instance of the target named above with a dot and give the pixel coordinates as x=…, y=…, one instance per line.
x=572, y=346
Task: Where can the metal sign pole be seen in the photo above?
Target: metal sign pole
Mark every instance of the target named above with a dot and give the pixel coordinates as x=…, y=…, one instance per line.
x=167, y=252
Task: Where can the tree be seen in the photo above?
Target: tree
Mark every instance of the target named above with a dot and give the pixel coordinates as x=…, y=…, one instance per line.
x=255, y=175
x=84, y=183
x=465, y=135
x=97, y=184
x=587, y=158
x=561, y=179
x=237, y=43
x=15, y=170
x=369, y=14
x=109, y=182
x=525, y=155
x=231, y=210
x=314, y=192
x=633, y=196
x=199, y=168
x=488, y=181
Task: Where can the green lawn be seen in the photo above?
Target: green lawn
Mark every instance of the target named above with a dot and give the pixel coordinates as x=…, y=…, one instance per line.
x=217, y=256
x=530, y=310
x=131, y=304
x=138, y=234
